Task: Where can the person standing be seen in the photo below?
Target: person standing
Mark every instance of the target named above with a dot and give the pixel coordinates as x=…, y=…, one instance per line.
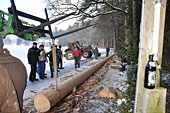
x=33, y=60
x=77, y=57
x=60, y=58
x=50, y=56
x=42, y=60
x=107, y=51
x=57, y=55
x=96, y=53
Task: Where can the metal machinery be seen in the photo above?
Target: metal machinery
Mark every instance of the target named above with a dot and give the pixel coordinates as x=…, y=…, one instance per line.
x=87, y=51
x=7, y=26
x=11, y=24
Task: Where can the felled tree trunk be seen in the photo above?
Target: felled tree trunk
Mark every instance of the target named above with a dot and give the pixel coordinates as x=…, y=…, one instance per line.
x=44, y=101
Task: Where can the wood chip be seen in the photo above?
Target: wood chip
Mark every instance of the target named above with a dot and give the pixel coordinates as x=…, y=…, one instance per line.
x=115, y=67
x=74, y=90
x=32, y=91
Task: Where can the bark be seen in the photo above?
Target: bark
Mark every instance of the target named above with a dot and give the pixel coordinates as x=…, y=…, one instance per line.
x=114, y=38
x=134, y=21
x=1, y=42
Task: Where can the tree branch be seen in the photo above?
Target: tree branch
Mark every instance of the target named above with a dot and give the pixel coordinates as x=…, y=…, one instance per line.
x=90, y=9
x=68, y=19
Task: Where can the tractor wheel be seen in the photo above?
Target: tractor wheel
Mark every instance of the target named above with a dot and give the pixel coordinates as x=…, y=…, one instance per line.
x=69, y=55
x=90, y=54
x=87, y=54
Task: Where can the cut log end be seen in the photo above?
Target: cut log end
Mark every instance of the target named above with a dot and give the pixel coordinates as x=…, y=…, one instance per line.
x=41, y=103
x=107, y=92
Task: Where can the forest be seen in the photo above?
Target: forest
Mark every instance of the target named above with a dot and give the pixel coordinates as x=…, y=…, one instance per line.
x=116, y=23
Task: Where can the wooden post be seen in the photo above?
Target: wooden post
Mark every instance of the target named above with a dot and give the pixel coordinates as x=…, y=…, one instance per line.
x=154, y=100
x=145, y=48
x=55, y=63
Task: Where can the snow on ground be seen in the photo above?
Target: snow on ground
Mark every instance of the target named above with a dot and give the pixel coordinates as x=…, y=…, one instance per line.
x=113, y=79
x=87, y=98
x=20, y=51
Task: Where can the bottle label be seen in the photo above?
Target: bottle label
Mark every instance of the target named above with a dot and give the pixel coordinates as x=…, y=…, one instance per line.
x=152, y=64
x=152, y=78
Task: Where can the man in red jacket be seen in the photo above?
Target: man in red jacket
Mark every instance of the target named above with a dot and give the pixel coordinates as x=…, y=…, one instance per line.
x=77, y=57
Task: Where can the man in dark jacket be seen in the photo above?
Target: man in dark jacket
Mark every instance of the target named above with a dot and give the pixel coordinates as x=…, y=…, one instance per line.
x=32, y=55
x=50, y=56
x=96, y=53
x=107, y=51
x=77, y=57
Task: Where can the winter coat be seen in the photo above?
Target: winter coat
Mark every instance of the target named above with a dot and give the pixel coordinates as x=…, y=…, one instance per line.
x=60, y=53
x=107, y=49
x=96, y=51
x=33, y=54
x=77, y=53
x=13, y=78
x=42, y=55
x=50, y=55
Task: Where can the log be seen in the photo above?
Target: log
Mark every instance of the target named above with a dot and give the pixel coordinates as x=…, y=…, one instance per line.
x=44, y=101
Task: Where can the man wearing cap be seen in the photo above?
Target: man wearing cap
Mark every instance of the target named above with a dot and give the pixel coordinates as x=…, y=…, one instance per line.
x=33, y=54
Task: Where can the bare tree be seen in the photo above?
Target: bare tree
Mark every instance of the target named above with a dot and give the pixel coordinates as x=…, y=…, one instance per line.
x=103, y=12
x=87, y=8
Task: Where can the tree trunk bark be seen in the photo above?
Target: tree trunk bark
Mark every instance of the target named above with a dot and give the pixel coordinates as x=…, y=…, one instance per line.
x=55, y=63
x=126, y=32
x=1, y=42
x=134, y=21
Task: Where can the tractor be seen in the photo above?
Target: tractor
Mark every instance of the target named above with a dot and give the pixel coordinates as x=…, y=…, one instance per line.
x=7, y=26
x=86, y=51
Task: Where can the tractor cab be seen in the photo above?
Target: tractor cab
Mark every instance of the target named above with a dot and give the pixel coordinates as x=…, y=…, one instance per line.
x=73, y=44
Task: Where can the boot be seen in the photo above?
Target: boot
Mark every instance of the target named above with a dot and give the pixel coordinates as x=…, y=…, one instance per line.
x=35, y=79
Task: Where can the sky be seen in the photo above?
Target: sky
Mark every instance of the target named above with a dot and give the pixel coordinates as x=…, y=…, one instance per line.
x=33, y=7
